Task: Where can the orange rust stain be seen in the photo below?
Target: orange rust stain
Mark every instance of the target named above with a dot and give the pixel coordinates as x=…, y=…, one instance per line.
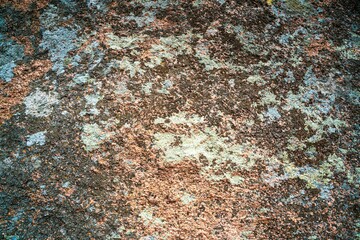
x=13, y=93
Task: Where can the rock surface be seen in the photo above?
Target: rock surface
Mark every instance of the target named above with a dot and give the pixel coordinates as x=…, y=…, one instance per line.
x=201, y=119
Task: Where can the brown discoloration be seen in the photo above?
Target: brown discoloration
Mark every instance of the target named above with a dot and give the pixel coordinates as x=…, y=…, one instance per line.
x=12, y=93
x=160, y=187
x=26, y=5
x=318, y=45
x=212, y=207
x=26, y=42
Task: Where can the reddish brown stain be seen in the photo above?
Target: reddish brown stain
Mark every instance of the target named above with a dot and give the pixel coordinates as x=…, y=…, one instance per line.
x=13, y=93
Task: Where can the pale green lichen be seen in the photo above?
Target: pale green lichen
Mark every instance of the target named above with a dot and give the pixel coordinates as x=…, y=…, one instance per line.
x=354, y=177
x=166, y=85
x=145, y=19
x=328, y=125
x=40, y=104
x=247, y=39
x=121, y=43
x=235, y=180
x=92, y=136
x=203, y=54
x=187, y=198
x=122, y=88
x=128, y=65
x=221, y=153
x=147, y=88
x=91, y=101
x=316, y=177
x=245, y=235
x=169, y=48
x=147, y=216
x=180, y=118
x=315, y=100
x=268, y=98
x=83, y=78
x=256, y=79
x=302, y=7
x=295, y=144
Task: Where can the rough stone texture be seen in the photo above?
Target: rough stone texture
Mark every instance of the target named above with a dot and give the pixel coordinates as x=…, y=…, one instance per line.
x=204, y=119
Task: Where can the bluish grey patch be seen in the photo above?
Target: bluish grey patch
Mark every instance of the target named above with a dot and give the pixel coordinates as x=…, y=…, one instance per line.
x=309, y=95
x=277, y=73
x=2, y=24
x=272, y=114
x=354, y=97
x=69, y=3
x=289, y=77
x=10, y=53
x=76, y=60
x=148, y=238
x=36, y=139
x=324, y=107
x=6, y=71
x=12, y=237
x=311, y=152
x=154, y=4
x=284, y=39
x=66, y=185
x=59, y=43
x=167, y=84
x=301, y=31
x=100, y=5
x=248, y=39
x=325, y=190
x=277, y=12
x=310, y=78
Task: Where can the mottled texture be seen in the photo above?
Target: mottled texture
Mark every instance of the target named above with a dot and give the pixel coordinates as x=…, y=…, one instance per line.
x=204, y=119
